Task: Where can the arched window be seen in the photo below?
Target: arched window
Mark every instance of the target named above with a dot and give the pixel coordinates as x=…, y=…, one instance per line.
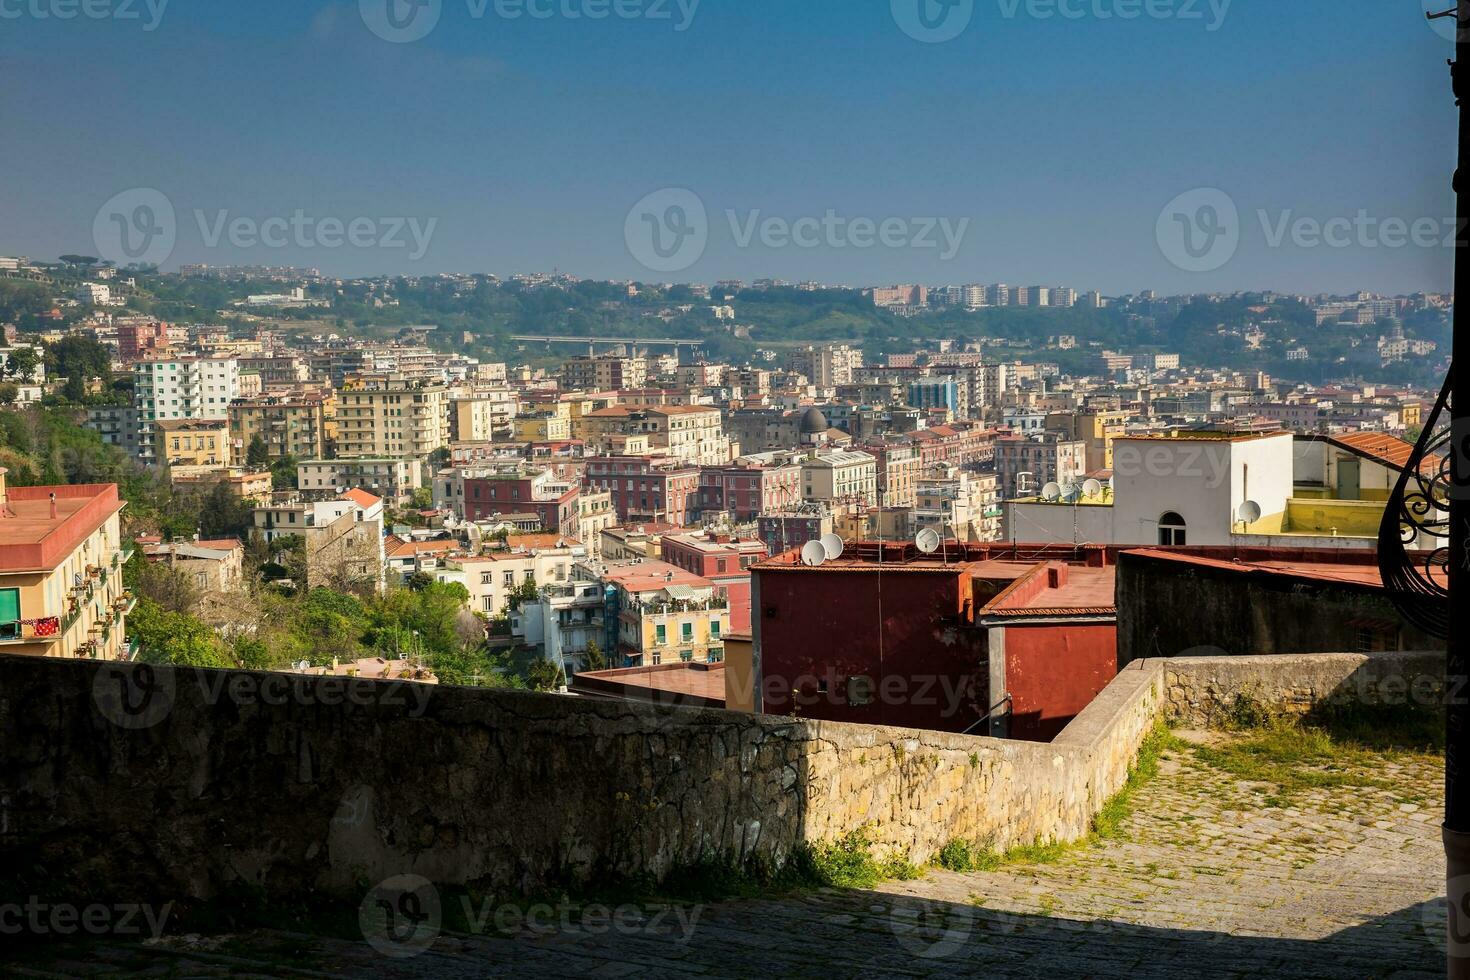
x=1172, y=530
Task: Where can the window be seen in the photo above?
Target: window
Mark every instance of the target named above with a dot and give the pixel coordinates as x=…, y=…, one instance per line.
x=687, y=656
x=859, y=690
x=1172, y=530
x=714, y=629
x=9, y=607
x=686, y=632
x=661, y=634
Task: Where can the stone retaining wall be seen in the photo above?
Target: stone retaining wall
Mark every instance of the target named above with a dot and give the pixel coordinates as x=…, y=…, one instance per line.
x=141, y=783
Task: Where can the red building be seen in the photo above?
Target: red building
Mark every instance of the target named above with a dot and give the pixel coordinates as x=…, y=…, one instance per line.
x=556, y=505
x=747, y=490
x=724, y=560
x=958, y=445
x=990, y=639
x=136, y=341
x=647, y=488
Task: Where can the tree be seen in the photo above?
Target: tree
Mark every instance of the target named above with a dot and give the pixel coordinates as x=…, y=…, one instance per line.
x=8, y=393
x=222, y=514
x=544, y=675
x=283, y=473
x=257, y=455
x=22, y=363
x=594, y=657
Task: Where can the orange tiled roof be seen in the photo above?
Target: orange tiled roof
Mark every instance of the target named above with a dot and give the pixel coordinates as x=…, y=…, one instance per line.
x=361, y=497
x=1389, y=451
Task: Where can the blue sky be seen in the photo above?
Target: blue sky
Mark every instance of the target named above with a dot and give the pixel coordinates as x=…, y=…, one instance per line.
x=1056, y=140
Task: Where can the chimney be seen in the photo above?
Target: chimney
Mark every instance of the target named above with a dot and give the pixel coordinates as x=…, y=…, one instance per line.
x=4, y=501
x=1056, y=575
x=53, y=506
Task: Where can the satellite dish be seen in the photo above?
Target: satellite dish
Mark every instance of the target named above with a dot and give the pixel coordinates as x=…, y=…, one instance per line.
x=1051, y=492
x=1091, y=488
x=927, y=541
x=1249, y=512
x=832, y=545
x=813, y=554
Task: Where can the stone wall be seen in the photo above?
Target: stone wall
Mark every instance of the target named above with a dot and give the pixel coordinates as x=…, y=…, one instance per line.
x=1238, y=613
x=1205, y=692
x=140, y=783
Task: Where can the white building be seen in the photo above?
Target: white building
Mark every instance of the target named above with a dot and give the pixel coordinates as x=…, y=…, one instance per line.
x=1222, y=489
x=182, y=388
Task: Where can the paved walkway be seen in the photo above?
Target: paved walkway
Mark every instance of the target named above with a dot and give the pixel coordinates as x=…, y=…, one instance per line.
x=1329, y=883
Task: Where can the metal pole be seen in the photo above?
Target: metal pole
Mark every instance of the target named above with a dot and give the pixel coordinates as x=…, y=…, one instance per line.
x=1457, y=665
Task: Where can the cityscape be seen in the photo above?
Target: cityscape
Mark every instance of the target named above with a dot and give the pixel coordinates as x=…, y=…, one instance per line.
x=360, y=617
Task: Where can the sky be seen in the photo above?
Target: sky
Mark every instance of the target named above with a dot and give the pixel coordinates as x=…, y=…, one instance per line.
x=1178, y=145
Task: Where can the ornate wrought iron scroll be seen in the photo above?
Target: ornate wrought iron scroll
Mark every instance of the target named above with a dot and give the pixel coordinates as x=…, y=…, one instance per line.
x=1418, y=580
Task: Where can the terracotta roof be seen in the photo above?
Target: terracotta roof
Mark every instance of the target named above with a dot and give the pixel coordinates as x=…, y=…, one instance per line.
x=396, y=547
x=651, y=575
x=1391, y=452
x=690, y=684
x=362, y=498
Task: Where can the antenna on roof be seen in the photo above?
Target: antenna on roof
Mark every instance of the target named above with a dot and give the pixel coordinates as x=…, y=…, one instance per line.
x=813, y=554
x=1091, y=488
x=1248, y=512
x=928, y=540
x=1052, y=492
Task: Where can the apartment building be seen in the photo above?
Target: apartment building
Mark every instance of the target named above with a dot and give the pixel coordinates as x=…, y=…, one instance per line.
x=300, y=424
x=392, y=417
x=839, y=476
x=516, y=490
x=482, y=416
x=181, y=388
x=392, y=478
x=61, y=555
x=752, y=485
x=646, y=489
x=494, y=581
x=665, y=614
x=604, y=373
x=1096, y=430
x=1025, y=465
x=725, y=560
x=827, y=366
x=189, y=447
x=690, y=433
